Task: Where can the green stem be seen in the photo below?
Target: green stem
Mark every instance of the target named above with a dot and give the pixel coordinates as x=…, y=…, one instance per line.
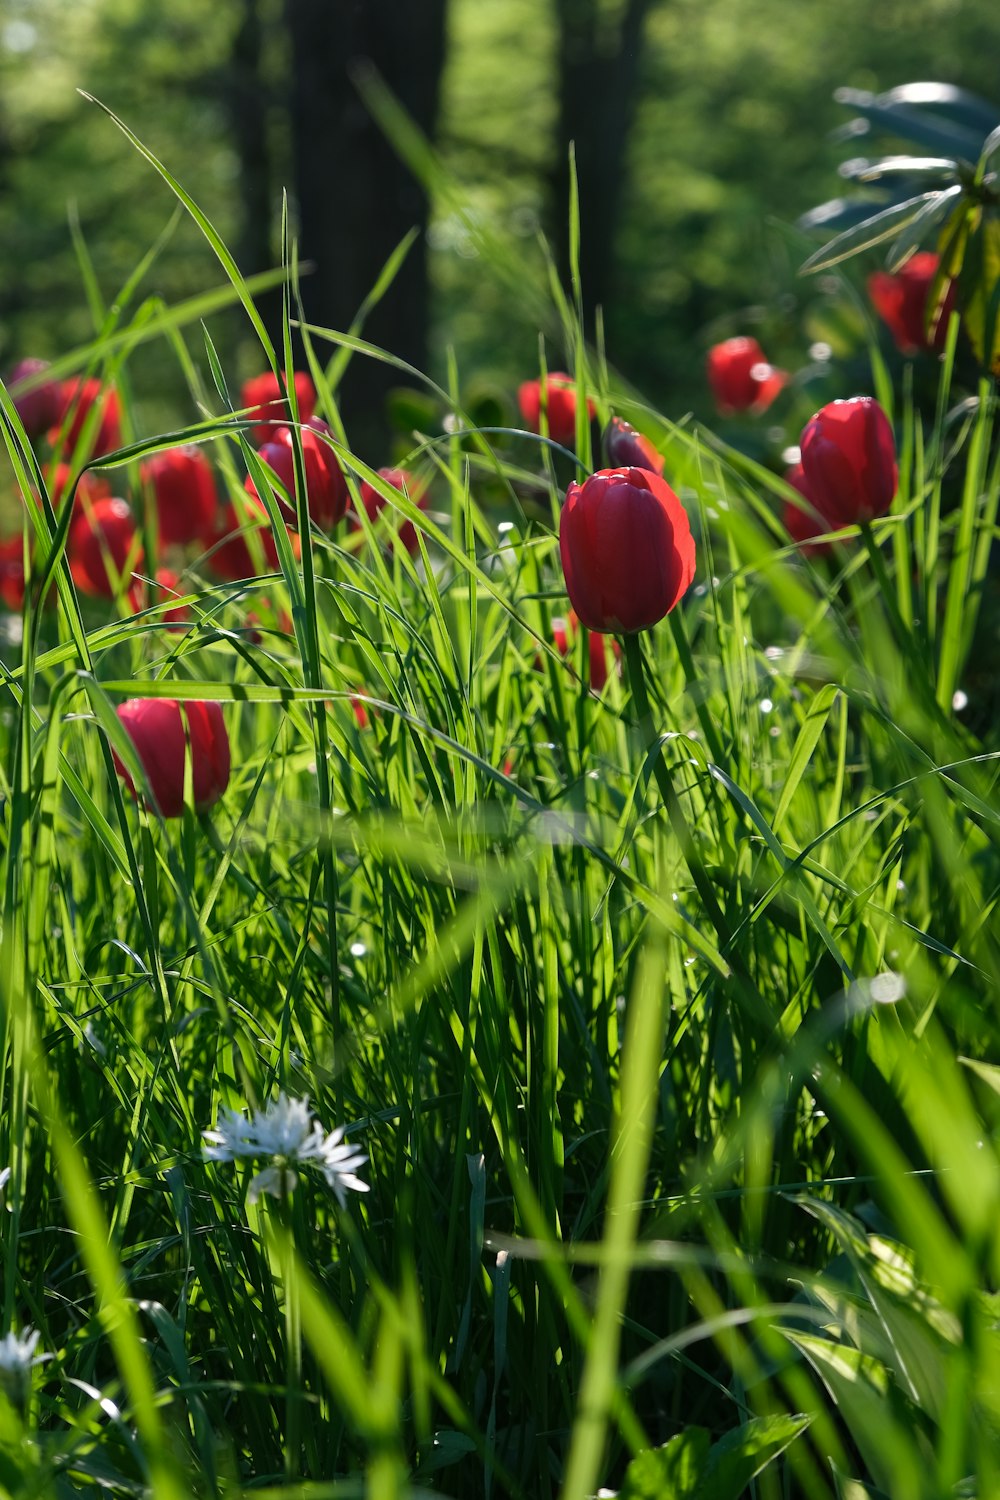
x=749, y=995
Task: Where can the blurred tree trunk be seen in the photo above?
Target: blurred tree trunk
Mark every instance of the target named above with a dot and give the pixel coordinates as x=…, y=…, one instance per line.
x=356, y=200
x=247, y=94
x=599, y=49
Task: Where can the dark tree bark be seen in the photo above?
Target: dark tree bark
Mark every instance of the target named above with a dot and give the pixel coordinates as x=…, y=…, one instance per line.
x=356, y=200
x=598, y=81
x=248, y=100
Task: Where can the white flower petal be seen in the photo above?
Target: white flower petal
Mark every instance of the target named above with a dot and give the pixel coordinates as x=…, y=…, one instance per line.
x=278, y=1181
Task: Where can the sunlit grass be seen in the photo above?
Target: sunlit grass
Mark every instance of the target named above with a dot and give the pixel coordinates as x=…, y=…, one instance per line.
x=666, y=1136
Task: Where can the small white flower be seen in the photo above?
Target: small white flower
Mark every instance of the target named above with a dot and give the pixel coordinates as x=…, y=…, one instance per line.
x=17, y=1360
x=17, y=1351
x=4, y=1179
x=286, y=1132
x=339, y=1163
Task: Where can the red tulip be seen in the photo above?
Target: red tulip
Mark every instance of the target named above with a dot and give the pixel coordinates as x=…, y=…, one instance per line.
x=413, y=489
x=900, y=300
x=563, y=632
x=100, y=544
x=801, y=521
x=42, y=406
x=186, y=503
x=79, y=396
x=627, y=549
x=628, y=449
x=12, y=572
x=326, y=486
x=849, y=461
x=268, y=408
x=230, y=558
x=162, y=730
x=741, y=378
x=558, y=401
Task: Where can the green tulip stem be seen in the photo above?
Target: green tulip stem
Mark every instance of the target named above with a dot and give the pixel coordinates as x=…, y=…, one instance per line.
x=650, y=741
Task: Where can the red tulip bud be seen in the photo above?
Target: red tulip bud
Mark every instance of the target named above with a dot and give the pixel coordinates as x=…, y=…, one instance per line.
x=900, y=299
x=79, y=396
x=326, y=487
x=100, y=545
x=163, y=732
x=41, y=407
x=628, y=449
x=558, y=400
x=12, y=572
x=186, y=504
x=413, y=489
x=563, y=634
x=265, y=397
x=741, y=378
x=627, y=550
x=230, y=558
x=802, y=521
x=849, y=461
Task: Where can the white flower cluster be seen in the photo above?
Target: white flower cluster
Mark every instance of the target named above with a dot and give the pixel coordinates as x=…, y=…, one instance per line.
x=286, y=1132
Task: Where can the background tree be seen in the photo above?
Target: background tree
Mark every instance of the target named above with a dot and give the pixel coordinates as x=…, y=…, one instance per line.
x=598, y=58
x=356, y=199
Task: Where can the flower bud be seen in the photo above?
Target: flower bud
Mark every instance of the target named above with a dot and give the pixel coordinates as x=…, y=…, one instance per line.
x=265, y=396
x=849, y=462
x=628, y=449
x=412, y=488
x=41, y=407
x=627, y=549
x=741, y=378
x=101, y=542
x=163, y=731
x=557, y=398
x=186, y=503
x=900, y=299
x=326, y=487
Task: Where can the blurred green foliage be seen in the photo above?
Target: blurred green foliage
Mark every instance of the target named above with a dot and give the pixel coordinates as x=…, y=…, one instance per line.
x=730, y=144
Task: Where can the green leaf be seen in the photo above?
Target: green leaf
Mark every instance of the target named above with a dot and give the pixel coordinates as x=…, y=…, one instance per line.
x=690, y=1467
x=863, y=170
x=836, y=214
x=962, y=106
x=896, y=114
x=853, y=1489
x=737, y=1458
x=981, y=316
x=913, y=235
x=673, y=1472
x=809, y=734
x=884, y=1427
x=872, y=231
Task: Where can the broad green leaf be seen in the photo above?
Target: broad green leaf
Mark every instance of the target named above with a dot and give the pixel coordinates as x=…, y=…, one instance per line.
x=911, y=238
x=872, y=231
x=737, y=1458
x=882, y=1424
x=691, y=1467
x=673, y=1472
x=899, y=117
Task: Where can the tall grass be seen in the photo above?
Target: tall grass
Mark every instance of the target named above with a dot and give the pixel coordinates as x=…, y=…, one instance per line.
x=669, y=1027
